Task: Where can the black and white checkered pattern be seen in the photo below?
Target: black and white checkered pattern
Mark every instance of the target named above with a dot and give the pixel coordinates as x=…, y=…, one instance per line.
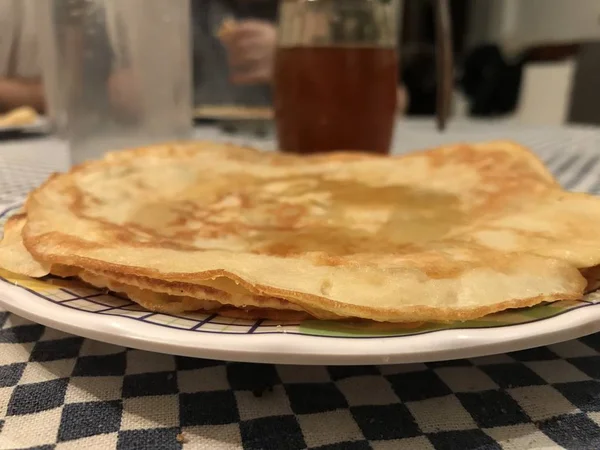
x=62, y=392
x=59, y=391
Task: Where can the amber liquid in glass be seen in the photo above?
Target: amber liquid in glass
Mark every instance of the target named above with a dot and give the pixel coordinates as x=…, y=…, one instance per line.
x=335, y=98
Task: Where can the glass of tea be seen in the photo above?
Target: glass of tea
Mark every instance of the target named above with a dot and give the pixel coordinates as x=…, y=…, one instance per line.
x=336, y=75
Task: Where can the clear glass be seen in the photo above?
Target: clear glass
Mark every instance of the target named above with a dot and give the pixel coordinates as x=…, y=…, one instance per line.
x=336, y=75
x=117, y=73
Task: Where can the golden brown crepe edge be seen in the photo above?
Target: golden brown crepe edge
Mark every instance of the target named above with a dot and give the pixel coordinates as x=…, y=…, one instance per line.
x=340, y=155
x=133, y=282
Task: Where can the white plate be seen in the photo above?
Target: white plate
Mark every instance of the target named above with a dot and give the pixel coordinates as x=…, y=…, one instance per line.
x=78, y=309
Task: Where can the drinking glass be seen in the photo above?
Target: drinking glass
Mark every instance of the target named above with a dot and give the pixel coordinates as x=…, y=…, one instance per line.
x=117, y=73
x=337, y=72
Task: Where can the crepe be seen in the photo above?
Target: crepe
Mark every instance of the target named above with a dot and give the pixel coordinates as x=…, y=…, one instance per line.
x=21, y=116
x=152, y=294
x=452, y=233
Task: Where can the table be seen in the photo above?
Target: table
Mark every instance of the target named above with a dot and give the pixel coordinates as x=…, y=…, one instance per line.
x=59, y=391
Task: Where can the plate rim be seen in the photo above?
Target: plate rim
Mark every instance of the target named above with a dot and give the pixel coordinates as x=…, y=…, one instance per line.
x=302, y=349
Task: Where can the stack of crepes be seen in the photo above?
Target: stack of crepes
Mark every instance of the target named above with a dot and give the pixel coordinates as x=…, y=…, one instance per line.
x=452, y=233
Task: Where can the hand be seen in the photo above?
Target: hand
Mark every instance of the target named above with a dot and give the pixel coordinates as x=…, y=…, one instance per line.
x=123, y=92
x=402, y=99
x=250, y=47
x=16, y=92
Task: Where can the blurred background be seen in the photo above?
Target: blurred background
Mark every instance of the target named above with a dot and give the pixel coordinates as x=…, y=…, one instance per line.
x=533, y=61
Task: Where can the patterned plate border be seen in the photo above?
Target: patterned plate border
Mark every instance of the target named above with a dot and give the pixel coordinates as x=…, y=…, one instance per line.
x=75, y=295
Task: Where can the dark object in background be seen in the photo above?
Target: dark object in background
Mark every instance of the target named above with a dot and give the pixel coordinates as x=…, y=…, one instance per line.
x=419, y=73
x=419, y=79
x=585, y=94
x=491, y=83
x=257, y=9
x=417, y=57
x=444, y=66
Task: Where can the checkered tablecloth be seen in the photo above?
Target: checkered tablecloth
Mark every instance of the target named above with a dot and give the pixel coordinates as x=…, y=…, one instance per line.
x=59, y=391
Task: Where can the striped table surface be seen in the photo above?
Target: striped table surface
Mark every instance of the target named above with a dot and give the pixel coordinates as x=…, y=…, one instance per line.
x=62, y=391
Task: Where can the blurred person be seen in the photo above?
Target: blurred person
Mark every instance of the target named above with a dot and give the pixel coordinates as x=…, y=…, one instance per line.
x=20, y=76
x=228, y=68
x=250, y=46
x=234, y=44
x=234, y=65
